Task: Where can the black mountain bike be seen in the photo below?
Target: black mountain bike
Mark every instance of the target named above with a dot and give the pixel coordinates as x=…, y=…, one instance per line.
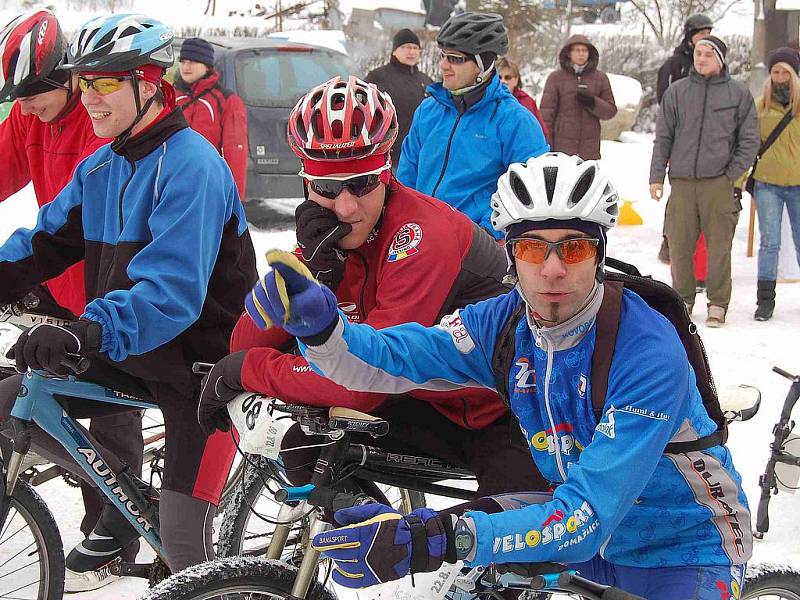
x=257, y=578
x=780, y=454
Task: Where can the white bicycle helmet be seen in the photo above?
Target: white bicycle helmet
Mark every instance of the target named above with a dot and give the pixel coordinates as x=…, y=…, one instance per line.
x=554, y=186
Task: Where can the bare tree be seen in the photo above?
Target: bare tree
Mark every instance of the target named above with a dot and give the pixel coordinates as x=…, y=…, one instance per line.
x=665, y=18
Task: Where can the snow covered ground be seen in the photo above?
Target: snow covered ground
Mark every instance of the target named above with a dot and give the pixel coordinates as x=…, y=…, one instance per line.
x=741, y=352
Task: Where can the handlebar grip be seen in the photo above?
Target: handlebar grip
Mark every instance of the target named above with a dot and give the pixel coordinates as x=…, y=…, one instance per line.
x=77, y=364
x=331, y=500
x=202, y=368
x=783, y=373
x=613, y=593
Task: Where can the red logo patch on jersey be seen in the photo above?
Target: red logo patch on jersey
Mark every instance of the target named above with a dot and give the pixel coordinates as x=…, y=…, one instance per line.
x=405, y=242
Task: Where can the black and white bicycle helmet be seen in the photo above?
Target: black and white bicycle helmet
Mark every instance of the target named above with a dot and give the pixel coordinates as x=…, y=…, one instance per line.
x=554, y=186
x=474, y=33
x=120, y=43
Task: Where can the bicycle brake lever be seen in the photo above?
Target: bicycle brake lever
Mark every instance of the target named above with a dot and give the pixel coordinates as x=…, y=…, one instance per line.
x=469, y=582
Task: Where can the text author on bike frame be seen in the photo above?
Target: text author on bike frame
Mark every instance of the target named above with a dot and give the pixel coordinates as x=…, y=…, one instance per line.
x=392, y=255
x=624, y=512
x=158, y=220
x=44, y=138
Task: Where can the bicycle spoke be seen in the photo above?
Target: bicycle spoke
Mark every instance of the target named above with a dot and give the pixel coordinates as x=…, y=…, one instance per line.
x=33, y=543
x=7, y=525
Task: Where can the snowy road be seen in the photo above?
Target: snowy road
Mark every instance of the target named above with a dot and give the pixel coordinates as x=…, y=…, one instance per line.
x=741, y=352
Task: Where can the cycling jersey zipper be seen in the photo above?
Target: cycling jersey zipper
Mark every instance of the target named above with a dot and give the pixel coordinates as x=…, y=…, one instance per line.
x=122, y=192
x=556, y=441
x=446, y=155
x=700, y=133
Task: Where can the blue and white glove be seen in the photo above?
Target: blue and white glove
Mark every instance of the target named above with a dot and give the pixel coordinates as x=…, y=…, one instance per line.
x=378, y=544
x=288, y=296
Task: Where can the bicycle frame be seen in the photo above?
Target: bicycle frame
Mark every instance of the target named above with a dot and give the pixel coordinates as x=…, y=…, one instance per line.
x=36, y=404
x=781, y=431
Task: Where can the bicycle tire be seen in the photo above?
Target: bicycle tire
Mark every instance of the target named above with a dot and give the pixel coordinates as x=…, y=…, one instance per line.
x=46, y=538
x=234, y=479
x=242, y=497
x=777, y=582
x=233, y=578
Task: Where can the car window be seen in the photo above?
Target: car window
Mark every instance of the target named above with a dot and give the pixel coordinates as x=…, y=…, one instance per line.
x=278, y=79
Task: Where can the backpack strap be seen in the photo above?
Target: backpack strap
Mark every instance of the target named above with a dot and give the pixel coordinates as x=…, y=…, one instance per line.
x=503, y=354
x=606, y=327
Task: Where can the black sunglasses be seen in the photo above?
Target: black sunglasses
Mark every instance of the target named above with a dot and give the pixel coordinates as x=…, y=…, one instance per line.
x=359, y=186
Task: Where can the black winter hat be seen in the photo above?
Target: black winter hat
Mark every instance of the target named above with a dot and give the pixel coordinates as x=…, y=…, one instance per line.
x=404, y=36
x=790, y=56
x=198, y=50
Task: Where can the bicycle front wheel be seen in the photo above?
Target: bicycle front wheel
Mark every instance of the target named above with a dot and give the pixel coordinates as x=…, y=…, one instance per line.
x=32, y=565
x=235, y=578
x=771, y=582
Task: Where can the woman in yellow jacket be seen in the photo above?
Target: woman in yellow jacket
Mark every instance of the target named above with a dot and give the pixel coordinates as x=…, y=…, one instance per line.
x=777, y=176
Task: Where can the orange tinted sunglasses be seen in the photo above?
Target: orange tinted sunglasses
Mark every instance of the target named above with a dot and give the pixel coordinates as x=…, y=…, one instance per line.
x=570, y=251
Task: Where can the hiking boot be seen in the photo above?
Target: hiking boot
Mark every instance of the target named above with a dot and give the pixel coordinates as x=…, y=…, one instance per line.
x=89, y=580
x=765, y=296
x=716, y=316
x=88, y=564
x=663, y=252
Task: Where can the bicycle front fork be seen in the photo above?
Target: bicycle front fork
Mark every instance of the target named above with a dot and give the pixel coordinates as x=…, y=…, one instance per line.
x=21, y=437
x=287, y=516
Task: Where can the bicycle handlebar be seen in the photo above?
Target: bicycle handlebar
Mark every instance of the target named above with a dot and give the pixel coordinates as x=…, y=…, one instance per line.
x=76, y=363
x=571, y=582
x=786, y=374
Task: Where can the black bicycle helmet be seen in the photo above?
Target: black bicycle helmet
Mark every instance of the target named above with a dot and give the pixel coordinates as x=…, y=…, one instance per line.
x=697, y=23
x=474, y=33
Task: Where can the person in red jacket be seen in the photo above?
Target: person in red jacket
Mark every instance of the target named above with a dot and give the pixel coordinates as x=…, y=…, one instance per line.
x=392, y=255
x=211, y=110
x=510, y=76
x=45, y=136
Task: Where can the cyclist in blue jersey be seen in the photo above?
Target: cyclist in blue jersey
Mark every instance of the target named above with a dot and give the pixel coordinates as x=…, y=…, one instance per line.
x=158, y=220
x=625, y=511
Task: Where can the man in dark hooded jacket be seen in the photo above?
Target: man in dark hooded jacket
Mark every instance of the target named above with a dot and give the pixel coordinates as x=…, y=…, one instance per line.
x=576, y=98
x=677, y=66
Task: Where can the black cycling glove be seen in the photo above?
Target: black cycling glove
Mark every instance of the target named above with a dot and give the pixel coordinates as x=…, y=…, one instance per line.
x=318, y=232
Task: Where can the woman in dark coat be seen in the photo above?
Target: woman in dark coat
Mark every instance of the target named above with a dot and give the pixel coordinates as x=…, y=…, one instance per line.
x=576, y=98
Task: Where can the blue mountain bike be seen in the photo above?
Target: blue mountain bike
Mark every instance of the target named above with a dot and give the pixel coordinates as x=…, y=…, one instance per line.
x=31, y=551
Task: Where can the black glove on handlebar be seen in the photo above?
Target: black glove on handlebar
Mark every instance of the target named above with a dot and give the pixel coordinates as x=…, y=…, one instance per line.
x=45, y=346
x=318, y=232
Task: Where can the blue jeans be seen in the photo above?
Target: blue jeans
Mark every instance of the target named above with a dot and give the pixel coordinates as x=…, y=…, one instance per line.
x=668, y=583
x=770, y=200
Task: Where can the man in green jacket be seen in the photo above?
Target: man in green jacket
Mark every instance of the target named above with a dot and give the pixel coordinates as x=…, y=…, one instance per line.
x=707, y=132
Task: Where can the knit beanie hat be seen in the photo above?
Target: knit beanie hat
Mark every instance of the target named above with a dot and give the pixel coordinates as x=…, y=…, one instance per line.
x=198, y=50
x=718, y=46
x=790, y=56
x=404, y=36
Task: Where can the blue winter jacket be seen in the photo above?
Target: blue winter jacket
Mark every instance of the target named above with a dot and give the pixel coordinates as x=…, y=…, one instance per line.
x=617, y=492
x=168, y=255
x=458, y=156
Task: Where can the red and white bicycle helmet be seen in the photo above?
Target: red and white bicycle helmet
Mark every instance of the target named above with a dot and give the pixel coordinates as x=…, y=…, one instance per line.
x=342, y=120
x=31, y=47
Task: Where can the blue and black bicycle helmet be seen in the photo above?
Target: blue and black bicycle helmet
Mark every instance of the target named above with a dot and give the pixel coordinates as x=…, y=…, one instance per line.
x=120, y=43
